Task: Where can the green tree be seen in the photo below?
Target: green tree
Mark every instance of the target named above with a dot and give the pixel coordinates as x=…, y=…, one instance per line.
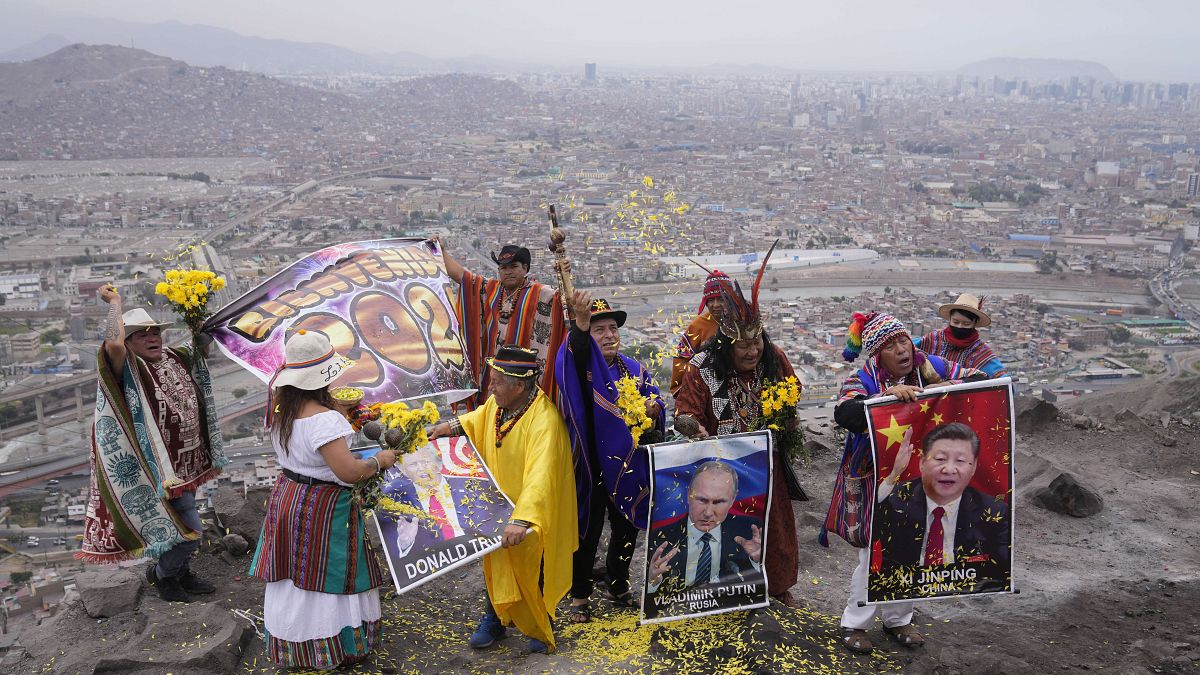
x=1119, y=334
x=19, y=578
x=239, y=392
x=51, y=337
x=1077, y=345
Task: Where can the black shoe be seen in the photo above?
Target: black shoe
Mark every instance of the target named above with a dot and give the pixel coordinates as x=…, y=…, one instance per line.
x=168, y=587
x=194, y=585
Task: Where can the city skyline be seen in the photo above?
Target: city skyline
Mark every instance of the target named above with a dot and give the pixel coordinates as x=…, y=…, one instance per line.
x=1136, y=43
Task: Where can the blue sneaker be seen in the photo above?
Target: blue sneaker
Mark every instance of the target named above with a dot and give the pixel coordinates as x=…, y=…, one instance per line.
x=536, y=646
x=488, y=631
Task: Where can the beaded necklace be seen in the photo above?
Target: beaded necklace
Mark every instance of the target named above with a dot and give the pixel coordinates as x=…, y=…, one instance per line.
x=508, y=301
x=506, y=422
x=746, y=398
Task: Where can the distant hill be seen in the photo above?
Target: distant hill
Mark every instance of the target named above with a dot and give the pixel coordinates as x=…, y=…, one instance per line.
x=202, y=45
x=1038, y=69
x=47, y=44
x=101, y=101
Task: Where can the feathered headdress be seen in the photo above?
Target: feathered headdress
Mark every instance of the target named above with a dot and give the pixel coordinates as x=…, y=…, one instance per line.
x=743, y=320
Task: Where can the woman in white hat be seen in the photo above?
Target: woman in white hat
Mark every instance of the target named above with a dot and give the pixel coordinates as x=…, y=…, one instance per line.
x=321, y=608
x=959, y=341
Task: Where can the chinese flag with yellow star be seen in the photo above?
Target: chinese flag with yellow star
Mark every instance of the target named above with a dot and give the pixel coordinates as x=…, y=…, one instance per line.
x=985, y=409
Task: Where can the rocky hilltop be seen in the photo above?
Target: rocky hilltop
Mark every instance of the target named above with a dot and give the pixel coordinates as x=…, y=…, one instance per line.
x=1106, y=566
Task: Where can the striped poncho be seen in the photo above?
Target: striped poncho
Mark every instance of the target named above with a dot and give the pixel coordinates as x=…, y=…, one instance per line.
x=536, y=323
x=974, y=354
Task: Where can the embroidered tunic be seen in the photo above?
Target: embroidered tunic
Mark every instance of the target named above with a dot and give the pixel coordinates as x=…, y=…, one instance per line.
x=977, y=355
x=728, y=407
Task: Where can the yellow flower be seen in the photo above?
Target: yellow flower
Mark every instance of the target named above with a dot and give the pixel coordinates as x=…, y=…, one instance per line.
x=648, y=182
x=218, y=283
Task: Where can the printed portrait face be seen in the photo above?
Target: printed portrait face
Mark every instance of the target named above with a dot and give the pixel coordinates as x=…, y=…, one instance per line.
x=711, y=494
x=946, y=469
x=423, y=467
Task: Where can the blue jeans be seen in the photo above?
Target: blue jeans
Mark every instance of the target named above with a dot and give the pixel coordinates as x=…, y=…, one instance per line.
x=175, y=561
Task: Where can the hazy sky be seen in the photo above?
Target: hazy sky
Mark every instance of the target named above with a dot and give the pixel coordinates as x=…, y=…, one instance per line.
x=1136, y=39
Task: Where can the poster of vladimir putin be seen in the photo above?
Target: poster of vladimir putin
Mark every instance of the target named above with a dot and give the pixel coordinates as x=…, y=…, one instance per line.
x=707, y=535
x=942, y=523
x=449, y=511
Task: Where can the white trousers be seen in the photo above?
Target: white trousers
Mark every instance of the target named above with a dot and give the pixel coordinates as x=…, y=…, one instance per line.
x=893, y=614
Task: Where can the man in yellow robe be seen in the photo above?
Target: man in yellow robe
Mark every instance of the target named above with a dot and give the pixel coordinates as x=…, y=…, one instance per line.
x=521, y=437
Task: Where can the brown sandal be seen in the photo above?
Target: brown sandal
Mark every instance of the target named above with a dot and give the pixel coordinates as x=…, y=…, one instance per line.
x=857, y=641
x=906, y=635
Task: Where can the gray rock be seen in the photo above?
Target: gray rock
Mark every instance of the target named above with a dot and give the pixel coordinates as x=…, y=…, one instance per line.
x=212, y=640
x=241, y=515
x=1068, y=496
x=236, y=544
x=109, y=592
x=1034, y=413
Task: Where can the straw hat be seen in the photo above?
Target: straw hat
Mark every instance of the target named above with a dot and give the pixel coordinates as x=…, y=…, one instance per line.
x=967, y=303
x=310, y=362
x=140, y=319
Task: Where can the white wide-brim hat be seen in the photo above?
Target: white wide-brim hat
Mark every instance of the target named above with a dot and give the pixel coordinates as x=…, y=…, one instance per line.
x=967, y=303
x=310, y=363
x=140, y=319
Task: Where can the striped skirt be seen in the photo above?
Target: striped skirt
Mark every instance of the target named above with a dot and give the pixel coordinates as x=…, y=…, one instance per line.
x=322, y=604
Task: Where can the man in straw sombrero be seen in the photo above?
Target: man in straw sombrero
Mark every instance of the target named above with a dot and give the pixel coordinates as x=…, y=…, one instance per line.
x=154, y=442
x=959, y=341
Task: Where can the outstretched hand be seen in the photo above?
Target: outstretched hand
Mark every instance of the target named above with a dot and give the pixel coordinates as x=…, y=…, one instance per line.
x=753, y=545
x=581, y=302
x=660, y=562
x=903, y=455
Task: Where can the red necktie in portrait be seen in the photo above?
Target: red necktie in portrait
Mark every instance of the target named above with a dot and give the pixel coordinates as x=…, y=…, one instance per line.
x=439, y=514
x=933, y=547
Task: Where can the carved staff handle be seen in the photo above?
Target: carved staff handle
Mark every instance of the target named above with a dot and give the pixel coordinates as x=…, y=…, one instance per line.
x=566, y=288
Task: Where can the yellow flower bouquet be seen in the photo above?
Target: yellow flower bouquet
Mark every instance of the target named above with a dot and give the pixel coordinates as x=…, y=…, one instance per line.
x=188, y=291
x=779, y=401
x=632, y=405
x=398, y=428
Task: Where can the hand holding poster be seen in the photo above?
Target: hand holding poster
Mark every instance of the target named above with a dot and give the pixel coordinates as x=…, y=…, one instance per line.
x=446, y=511
x=708, y=527
x=942, y=523
x=383, y=304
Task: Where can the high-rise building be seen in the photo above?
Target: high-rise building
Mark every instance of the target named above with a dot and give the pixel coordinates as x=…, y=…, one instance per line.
x=1193, y=189
x=589, y=72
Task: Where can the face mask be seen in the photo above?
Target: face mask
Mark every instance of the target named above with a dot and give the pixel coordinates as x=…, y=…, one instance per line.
x=961, y=333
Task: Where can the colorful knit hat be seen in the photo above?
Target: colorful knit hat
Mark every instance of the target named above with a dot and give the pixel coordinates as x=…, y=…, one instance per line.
x=870, y=332
x=712, y=287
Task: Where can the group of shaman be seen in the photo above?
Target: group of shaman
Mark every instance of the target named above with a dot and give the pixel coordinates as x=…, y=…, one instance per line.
x=546, y=361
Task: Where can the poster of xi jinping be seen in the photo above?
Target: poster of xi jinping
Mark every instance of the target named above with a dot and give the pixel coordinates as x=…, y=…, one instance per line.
x=709, y=501
x=447, y=511
x=942, y=524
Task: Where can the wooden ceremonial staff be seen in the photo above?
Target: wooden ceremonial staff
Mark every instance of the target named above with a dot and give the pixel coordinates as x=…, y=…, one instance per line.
x=566, y=288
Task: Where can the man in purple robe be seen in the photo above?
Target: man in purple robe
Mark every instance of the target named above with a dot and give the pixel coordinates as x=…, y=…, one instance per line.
x=612, y=475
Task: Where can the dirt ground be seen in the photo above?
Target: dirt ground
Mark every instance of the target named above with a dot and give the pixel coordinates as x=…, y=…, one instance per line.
x=1115, y=592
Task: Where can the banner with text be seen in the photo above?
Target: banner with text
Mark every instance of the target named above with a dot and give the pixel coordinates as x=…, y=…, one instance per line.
x=448, y=511
x=386, y=304
x=709, y=501
x=942, y=524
